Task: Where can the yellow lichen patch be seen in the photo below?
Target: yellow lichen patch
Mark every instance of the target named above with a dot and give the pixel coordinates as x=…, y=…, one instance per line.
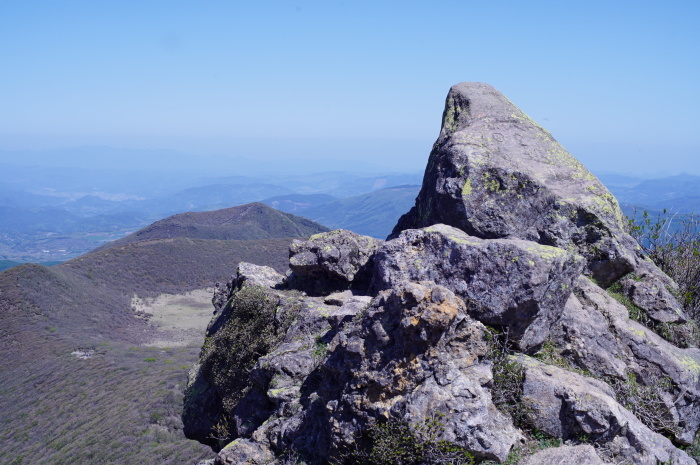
x=490, y=184
x=450, y=117
x=637, y=331
x=275, y=392
x=232, y=444
x=461, y=240
x=690, y=363
x=467, y=188
x=335, y=232
x=545, y=252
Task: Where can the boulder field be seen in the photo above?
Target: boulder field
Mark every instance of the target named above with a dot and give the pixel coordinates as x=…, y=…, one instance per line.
x=508, y=308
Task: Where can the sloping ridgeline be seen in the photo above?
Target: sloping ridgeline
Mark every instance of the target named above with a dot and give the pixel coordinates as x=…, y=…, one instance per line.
x=80, y=379
x=499, y=322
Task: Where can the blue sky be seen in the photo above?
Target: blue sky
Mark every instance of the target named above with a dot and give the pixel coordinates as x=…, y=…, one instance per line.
x=616, y=82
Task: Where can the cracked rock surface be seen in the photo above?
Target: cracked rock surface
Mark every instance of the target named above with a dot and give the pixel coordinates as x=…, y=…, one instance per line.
x=511, y=278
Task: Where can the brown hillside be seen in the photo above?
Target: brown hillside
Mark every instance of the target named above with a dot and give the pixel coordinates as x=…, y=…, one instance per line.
x=122, y=404
x=245, y=222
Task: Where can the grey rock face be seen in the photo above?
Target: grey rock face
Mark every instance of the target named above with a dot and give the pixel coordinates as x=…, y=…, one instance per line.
x=509, y=231
x=247, y=274
x=416, y=353
x=244, y=452
x=518, y=284
x=596, y=334
x=565, y=405
x=651, y=293
x=565, y=455
x=495, y=173
x=332, y=261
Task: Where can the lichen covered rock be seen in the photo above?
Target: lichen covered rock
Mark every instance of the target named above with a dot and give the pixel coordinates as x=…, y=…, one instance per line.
x=565, y=455
x=517, y=284
x=509, y=303
x=596, y=334
x=495, y=173
x=332, y=261
x=567, y=405
x=414, y=354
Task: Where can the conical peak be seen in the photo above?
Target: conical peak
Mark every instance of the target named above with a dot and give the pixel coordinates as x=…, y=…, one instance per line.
x=468, y=103
x=494, y=172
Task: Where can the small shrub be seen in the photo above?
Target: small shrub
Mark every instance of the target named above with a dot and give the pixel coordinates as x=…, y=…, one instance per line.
x=149, y=359
x=396, y=442
x=549, y=354
x=508, y=377
x=646, y=402
x=694, y=449
x=319, y=351
x=256, y=325
x=673, y=244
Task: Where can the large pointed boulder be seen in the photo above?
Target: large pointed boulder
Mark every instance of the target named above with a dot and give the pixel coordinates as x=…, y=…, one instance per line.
x=495, y=173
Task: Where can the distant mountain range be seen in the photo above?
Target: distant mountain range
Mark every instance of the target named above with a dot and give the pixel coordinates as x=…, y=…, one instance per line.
x=676, y=193
x=50, y=213
x=373, y=214
x=54, y=213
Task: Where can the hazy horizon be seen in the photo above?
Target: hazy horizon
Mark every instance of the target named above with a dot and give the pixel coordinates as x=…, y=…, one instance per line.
x=365, y=82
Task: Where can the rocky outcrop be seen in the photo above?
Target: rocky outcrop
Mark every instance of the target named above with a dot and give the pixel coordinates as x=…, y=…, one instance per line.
x=563, y=404
x=498, y=312
x=332, y=261
x=495, y=173
x=520, y=285
x=596, y=334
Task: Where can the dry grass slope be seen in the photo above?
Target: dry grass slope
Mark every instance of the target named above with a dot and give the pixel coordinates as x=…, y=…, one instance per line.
x=122, y=405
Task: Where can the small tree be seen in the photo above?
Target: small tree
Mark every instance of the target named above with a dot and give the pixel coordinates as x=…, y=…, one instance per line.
x=672, y=242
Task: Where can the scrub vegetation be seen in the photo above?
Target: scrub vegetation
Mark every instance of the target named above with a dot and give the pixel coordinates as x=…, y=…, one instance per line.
x=79, y=379
x=672, y=242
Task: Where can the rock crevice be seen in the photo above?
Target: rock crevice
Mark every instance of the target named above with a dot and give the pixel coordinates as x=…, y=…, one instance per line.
x=511, y=278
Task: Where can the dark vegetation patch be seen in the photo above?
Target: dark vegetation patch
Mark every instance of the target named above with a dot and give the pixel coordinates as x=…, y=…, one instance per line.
x=398, y=442
x=89, y=298
x=672, y=242
x=173, y=266
x=255, y=326
x=508, y=377
x=646, y=402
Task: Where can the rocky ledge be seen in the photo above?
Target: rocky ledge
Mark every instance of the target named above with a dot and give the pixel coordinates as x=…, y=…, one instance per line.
x=501, y=321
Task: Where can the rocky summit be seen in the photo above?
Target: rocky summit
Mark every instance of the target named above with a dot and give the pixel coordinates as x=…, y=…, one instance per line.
x=508, y=318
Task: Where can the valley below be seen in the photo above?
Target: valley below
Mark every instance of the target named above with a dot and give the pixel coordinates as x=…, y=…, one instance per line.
x=96, y=350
